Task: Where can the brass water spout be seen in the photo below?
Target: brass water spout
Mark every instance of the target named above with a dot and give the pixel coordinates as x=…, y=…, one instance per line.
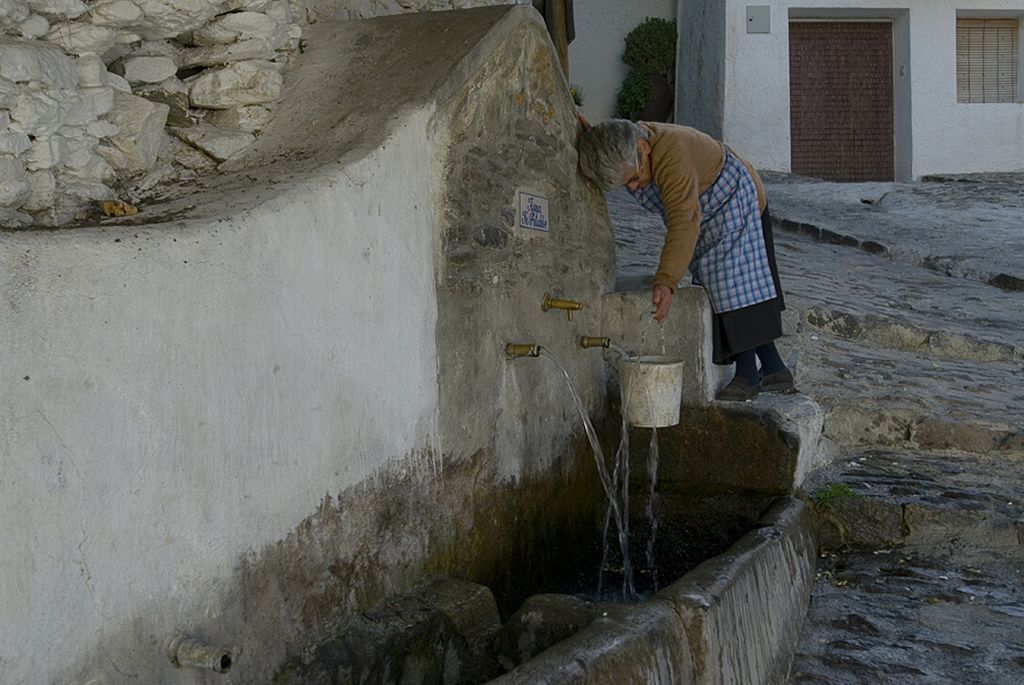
x=514, y=350
x=588, y=341
x=568, y=306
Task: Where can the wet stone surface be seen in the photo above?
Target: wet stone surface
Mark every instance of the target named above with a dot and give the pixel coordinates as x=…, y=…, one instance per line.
x=921, y=576
x=966, y=226
x=897, y=616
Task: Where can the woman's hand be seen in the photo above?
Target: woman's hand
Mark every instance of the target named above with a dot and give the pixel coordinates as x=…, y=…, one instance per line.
x=662, y=300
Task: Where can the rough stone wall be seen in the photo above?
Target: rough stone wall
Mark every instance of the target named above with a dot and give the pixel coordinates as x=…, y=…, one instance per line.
x=107, y=99
x=493, y=275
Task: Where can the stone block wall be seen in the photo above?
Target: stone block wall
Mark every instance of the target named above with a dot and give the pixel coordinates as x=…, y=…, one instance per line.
x=116, y=99
x=111, y=99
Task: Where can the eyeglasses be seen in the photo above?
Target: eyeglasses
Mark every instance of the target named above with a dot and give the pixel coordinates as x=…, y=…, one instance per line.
x=635, y=178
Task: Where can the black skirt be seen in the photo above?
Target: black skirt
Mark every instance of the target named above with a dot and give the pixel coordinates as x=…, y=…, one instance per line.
x=749, y=327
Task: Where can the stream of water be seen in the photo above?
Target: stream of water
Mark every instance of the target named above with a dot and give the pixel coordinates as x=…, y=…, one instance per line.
x=618, y=511
x=622, y=461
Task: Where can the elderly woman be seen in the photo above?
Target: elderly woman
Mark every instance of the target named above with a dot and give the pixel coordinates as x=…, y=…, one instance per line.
x=713, y=205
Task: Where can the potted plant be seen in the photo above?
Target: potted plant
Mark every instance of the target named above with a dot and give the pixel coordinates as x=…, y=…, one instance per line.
x=647, y=92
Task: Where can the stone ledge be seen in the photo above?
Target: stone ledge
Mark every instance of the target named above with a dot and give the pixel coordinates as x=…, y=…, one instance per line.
x=801, y=419
x=626, y=319
x=647, y=643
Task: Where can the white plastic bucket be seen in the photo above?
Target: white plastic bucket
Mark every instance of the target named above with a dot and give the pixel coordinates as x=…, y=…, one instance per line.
x=652, y=388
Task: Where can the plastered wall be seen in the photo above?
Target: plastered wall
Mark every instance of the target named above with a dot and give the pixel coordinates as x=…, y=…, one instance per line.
x=934, y=133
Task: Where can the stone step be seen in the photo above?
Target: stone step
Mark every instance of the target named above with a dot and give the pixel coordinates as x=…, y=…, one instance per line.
x=899, y=335
x=880, y=397
x=944, y=265
x=929, y=500
x=976, y=226
x=887, y=424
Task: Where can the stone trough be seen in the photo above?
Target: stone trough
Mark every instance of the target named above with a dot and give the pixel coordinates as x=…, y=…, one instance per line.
x=735, y=618
x=726, y=476
x=737, y=555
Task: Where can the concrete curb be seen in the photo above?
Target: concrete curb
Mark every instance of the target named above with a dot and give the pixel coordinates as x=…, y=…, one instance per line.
x=1003, y=281
x=735, y=618
x=829, y=236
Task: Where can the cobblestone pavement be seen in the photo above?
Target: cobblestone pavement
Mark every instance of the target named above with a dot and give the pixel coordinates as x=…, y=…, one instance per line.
x=967, y=226
x=920, y=370
x=927, y=584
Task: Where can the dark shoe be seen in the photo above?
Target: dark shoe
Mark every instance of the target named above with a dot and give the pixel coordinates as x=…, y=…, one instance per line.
x=780, y=381
x=738, y=391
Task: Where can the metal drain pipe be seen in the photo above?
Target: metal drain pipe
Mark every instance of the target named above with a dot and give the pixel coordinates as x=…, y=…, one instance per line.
x=188, y=652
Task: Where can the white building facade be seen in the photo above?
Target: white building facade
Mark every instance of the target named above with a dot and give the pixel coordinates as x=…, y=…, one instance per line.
x=857, y=90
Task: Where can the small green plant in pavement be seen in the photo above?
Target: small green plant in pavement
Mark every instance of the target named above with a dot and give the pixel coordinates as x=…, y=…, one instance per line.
x=831, y=492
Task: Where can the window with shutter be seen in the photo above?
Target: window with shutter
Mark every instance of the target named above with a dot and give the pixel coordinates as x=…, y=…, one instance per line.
x=987, y=60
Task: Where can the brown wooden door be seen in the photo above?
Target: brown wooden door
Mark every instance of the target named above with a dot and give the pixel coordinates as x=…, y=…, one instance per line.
x=841, y=104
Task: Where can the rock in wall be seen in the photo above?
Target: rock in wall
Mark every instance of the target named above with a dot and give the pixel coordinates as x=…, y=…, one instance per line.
x=113, y=99
x=89, y=94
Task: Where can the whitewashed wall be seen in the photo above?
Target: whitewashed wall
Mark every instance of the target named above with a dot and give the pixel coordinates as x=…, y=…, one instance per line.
x=936, y=135
x=172, y=396
x=595, y=57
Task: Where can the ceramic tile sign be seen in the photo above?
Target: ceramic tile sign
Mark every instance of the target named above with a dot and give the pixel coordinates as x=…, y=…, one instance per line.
x=533, y=212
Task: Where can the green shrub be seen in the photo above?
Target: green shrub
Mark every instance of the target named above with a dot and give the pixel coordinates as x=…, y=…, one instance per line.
x=651, y=47
x=633, y=95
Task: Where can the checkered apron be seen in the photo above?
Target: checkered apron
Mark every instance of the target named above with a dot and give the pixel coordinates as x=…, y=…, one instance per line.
x=730, y=259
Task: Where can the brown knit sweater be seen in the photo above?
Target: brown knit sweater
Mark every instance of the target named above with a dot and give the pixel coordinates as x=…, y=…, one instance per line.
x=684, y=163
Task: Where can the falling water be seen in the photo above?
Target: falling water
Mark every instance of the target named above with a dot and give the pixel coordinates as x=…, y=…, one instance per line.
x=652, y=473
x=617, y=350
x=610, y=486
x=621, y=457
x=622, y=466
x=652, y=470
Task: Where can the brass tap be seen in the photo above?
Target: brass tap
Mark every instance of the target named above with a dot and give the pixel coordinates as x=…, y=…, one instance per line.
x=569, y=306
x=588, y=341
x=514, y=350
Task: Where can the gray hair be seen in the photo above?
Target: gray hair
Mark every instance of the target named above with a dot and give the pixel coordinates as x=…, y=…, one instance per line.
x=608, y=149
